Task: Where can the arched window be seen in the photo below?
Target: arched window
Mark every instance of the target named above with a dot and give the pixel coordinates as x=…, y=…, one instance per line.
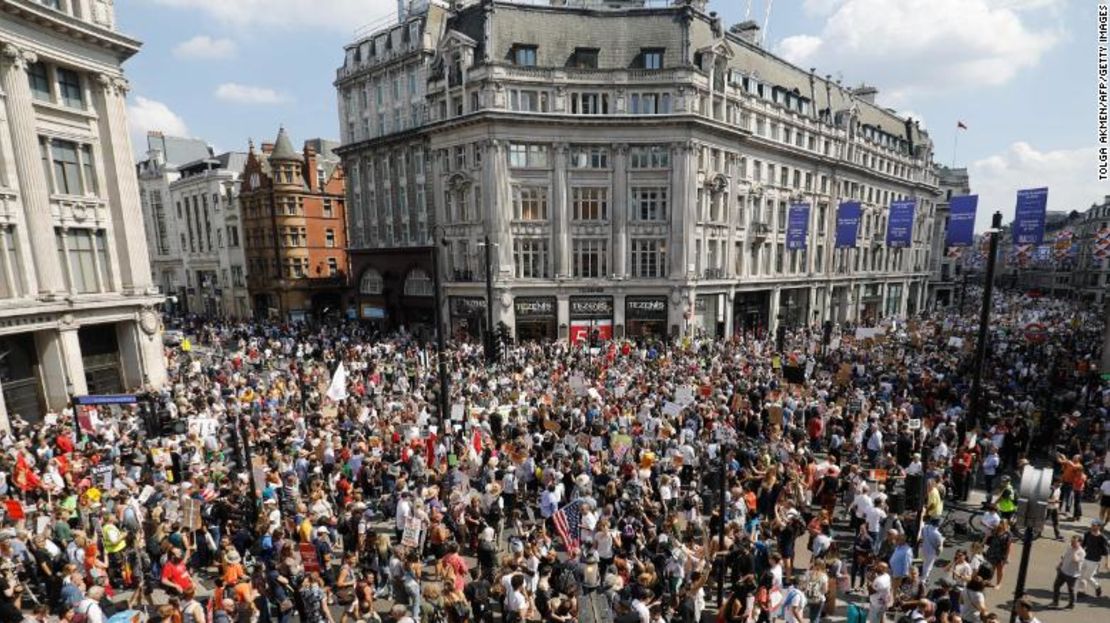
x=418, y=283
x=371, y=282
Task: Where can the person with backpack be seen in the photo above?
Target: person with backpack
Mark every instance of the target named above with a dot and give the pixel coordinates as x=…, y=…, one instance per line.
x=794, y=603
x=815, y=587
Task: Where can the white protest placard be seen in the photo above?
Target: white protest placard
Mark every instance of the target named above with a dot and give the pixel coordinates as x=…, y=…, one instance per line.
x=684, y=395
x=868, y=332
x=578, y=384
x=458, y=412
x=956, y=342
x=413, y=528
x=672, y=409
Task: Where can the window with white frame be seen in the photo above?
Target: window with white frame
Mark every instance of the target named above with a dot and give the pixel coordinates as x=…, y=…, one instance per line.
x=371, y=282
x=329, y=238
x=530, y=258
x=649, y=203
x=590, y=203
x=418, y=283
x=530, y=203
x=591, y=257
x=589, y=103
x=333, y=267
x=649, y=103
x=589, y=157
x=527, y=100
x=10, y=264
x=85, y=253
x=68, y=166
x=649, y=157
x=649, y=257
x=70, y=91
x=527, y=155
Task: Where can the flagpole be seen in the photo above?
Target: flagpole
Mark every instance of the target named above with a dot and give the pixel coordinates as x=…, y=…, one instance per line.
x=955, y=142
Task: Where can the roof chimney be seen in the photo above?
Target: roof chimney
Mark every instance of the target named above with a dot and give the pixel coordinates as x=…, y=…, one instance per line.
x=865, y=93
x=748, y=31
x=267, y=148
x=311, y=178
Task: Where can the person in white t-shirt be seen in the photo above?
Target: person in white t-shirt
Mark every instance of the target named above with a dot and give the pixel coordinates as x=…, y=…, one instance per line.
x=874, y=518
x=881, y=595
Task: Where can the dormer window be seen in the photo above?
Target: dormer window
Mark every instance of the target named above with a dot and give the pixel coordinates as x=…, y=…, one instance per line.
x=585, y=58
x=524, y=55
x=652, y=58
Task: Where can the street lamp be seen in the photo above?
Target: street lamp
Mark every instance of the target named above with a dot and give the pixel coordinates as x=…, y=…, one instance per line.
x=487, y=337
x=984, y=321
x=444, y=383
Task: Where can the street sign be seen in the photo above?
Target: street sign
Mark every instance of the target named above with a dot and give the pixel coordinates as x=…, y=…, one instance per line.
x=1036, y=333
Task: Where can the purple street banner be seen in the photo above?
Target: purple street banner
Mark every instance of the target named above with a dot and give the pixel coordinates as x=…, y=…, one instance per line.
x=961, y=221
x=1029, y=216
x=797, y=226
x=847, y=224
x=899, y=228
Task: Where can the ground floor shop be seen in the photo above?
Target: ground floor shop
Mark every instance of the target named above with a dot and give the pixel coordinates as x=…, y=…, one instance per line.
x=48, y=358
x=592, y=314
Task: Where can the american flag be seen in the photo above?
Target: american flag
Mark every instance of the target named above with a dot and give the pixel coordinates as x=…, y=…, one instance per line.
x=568, y=522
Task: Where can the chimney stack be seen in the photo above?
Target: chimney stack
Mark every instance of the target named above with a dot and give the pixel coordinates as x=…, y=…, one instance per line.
x=310, y=167
x=267, y=148
x=865, y=93
x=748, y=31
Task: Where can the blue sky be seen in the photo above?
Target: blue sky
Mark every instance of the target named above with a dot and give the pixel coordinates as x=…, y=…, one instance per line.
x=1019, y=73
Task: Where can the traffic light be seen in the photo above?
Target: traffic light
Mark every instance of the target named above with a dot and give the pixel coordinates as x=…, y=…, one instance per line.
x=780, y=337
x=495, y=345
x=828, y=332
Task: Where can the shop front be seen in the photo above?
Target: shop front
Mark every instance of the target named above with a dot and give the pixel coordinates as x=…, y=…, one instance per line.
x=645, y=316
x=535, y=317
x=751, y=313
x=467, y=316
x=591, y=318
x=706, y=319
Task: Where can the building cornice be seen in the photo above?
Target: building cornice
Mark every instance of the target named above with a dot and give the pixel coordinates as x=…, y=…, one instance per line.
x=44, y=17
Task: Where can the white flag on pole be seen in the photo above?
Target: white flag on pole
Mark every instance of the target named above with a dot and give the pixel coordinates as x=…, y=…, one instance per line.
x=338, y=388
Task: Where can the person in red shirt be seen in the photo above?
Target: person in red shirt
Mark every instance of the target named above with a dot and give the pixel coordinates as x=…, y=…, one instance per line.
x=961, y=473
x=175, y=576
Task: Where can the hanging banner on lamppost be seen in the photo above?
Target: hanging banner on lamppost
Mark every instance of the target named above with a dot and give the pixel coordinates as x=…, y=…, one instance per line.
x=797, y=226
x=899, y=229
x=847, y=224
x=1029, y=216
x=961, y=221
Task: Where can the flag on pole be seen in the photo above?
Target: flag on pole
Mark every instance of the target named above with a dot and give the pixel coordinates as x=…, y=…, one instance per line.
x=960, y=125
x=337, y=390
x=568, y=523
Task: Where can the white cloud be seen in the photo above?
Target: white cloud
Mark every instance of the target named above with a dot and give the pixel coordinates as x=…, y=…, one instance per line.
x=908, y=47
x=338, y=15
x=246, y=94
x=203, y=47
x=1070, y=175
x=147, y=115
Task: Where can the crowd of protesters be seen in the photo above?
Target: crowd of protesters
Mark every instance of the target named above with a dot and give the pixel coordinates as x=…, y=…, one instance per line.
x=628, y=480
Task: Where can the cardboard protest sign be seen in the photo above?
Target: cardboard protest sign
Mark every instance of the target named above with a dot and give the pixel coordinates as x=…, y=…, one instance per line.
x=414, y=526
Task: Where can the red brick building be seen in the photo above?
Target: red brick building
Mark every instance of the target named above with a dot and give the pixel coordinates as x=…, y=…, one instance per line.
x=294, y=226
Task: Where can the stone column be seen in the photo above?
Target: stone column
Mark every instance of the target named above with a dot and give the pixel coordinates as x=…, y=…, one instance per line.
x=141, y=351
x=34, y=190
x=682, y=208
x=499, y=201
x=560, y=210
x=729, y=311
x=773, y=312
x=121, y=184
x=60, y=365
x=5, y=425
x=621, y=207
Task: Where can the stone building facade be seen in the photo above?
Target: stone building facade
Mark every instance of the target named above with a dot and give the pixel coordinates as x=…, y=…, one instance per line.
x=293, y=226
x=164, y=156
x=78, y=310
x=632, y=165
